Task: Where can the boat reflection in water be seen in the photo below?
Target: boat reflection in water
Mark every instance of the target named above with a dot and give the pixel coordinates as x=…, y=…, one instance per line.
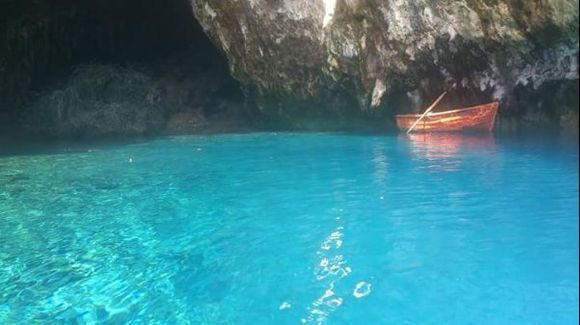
x=448, y=145
x=446, y=150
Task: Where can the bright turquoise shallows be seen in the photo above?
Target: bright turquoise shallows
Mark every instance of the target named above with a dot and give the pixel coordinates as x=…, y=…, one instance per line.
x=290, y=229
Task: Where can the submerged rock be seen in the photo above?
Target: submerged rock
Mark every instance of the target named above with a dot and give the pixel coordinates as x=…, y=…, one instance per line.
x=346, y=56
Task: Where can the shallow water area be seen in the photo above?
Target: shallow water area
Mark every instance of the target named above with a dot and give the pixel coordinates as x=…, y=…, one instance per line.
x=292, y=228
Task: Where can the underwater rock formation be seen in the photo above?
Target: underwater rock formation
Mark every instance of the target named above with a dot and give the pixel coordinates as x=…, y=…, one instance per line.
x=395, y=53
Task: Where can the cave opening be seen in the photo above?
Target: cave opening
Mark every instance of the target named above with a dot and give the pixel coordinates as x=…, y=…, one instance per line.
x=132, y=67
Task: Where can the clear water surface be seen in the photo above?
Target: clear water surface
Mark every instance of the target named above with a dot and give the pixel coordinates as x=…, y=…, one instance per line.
x=292, y=228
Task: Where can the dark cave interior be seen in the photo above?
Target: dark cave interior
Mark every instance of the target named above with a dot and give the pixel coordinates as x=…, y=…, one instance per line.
x=43, y=43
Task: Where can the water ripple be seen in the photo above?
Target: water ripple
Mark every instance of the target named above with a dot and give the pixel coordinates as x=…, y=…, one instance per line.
x=283, y=228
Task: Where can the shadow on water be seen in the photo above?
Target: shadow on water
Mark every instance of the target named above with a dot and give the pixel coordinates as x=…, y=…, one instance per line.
x=16, y=146
x=10, y=146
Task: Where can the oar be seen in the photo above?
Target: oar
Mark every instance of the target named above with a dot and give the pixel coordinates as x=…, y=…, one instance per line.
x=427, y=112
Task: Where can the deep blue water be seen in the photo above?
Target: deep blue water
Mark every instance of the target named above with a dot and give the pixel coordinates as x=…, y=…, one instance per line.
x=291, y=228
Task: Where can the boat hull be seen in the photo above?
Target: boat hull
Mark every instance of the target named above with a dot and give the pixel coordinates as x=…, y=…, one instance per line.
x=476, y=118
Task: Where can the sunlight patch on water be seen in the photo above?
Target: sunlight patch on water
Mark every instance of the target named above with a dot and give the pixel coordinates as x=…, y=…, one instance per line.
x=361, y=289
x=331, y=269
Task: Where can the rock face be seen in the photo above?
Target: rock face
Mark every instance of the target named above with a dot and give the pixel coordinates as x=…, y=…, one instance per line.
x=352, y=55
x=108, y=100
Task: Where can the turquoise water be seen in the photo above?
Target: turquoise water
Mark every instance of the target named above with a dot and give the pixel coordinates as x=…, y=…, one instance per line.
x=290, y=229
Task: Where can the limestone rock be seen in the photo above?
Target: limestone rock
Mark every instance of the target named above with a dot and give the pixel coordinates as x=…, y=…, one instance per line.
x=371, y=50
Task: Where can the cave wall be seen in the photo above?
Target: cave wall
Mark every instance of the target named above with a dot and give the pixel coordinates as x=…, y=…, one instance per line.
x=396, y=55
x=321, y=64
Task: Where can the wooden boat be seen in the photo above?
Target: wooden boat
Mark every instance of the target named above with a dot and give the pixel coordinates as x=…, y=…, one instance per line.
x=476, y=118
